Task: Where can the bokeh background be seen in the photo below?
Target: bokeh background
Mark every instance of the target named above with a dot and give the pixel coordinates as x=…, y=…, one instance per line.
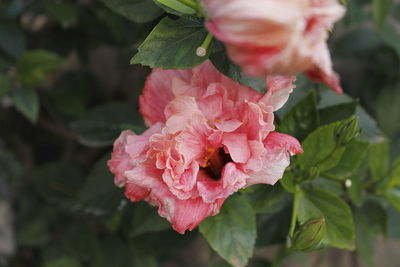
x=66, y=92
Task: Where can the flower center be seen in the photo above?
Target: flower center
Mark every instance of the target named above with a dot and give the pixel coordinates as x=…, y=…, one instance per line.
x=215, y=161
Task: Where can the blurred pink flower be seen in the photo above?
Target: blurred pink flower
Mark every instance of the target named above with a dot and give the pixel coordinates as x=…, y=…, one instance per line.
x=209, y=137
x=269, y=37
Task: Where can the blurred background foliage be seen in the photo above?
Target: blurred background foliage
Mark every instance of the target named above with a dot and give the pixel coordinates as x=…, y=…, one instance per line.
x=67, y=90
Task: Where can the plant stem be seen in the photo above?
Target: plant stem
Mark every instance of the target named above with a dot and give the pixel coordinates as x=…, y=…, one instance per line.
x=294, y=211
x=202, y=50
x=189, y=3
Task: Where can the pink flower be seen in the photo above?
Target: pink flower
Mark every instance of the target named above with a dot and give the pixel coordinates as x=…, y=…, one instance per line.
x=269, y=37
x=209, y=137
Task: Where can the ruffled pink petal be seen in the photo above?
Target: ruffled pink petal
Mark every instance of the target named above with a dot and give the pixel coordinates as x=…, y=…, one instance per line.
x=157, y=93
x=237, y=146
x=179, y=111
x=279, y=148
x=232, y=179
x=183, y=214
x=278, y=90
x=129, y=149
x=187, y=214
x=228, y=125
x=289, y=143
x=182, y=185
x=135, y=193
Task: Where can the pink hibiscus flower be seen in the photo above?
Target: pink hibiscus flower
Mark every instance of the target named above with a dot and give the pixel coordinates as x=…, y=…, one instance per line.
x=269, y=37
x=209, y=137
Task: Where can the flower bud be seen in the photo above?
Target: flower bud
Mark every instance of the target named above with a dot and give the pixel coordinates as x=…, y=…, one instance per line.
x=346, y=131
x=308, y=236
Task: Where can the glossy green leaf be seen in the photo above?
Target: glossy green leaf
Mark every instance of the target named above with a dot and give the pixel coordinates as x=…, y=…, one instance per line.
x=146, y=219
x=176, y=7
x=140, y=11
x=221, y=61
x=333, y=160
x=323, y=147
x=172, y=44
x=393, y=197
x=232, y=233
x=355, y=191
x=378, y=160
x=26, y=101
x=318, y=146
x=364, y=237
x=302, y=118
x=337, y=112
x=64, y=13
x=351, y=159
x=380, y=9
x=99, y=195
x=339, y=220
x=370, y=220
x=103, y=124
x=288, y=181
x=33, y=66
x=394, y=174
x=387, y=103
x=267, y=198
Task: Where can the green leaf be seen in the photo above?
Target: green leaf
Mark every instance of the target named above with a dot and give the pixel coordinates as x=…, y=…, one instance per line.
x=140, y=11
x=355, y=191
x=302, y=118
x=393, y=197
x=318, y=146
x=393, y=230
x=65, y=13
x=99, y=195
x=63, y=262
x=26, y=101
x=370, y=220
x=12, y=40
x=288, y=181
x=380, y=9
x=351, y=159
x=378, y=160
x=337, y=112
x=6, y=84
x=364, y=237
x=333, y=160
x=267, y=198
x=221, y=61
x=323, y=146
x=146, y=219
x=58, y=183
x=33, y=66
x=103, y=124
x=387, y=103
x=394, y=175
x=172, y=44
x=175, y=7
x=339, y=220
x=232, y=233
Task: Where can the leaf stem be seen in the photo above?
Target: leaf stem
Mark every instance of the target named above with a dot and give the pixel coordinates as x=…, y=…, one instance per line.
x=202, y=50
x=294, y=211
x=189, y=3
